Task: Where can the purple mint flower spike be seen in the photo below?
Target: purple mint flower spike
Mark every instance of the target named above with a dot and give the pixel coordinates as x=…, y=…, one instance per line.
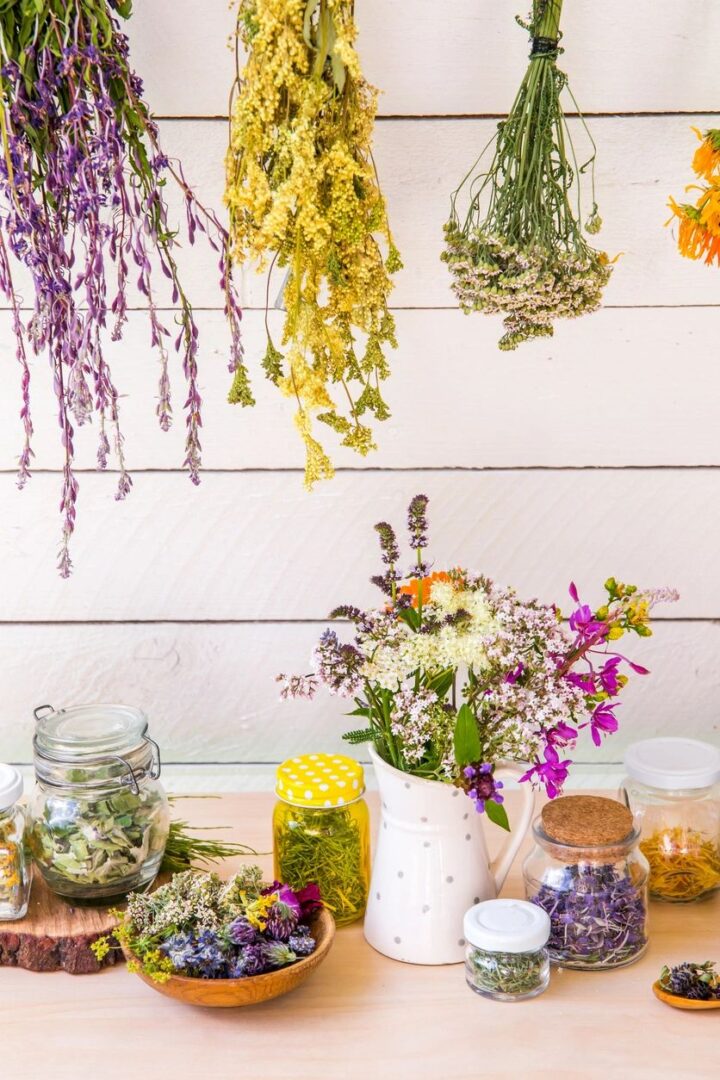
x=82, y=183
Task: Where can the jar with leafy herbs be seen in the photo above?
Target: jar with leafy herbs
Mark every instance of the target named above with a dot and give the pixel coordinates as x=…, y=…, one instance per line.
x=589, y=875
x=673, y=790
x=15, y=870
x=321, y=831
x=100, y=816
x=506, y=956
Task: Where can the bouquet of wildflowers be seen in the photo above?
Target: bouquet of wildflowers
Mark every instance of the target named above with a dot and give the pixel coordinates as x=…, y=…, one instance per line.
x=699, y=229
x=518, y=249
x=454, y=674
x=82, y=208
x=303, y=194
x=199, y=926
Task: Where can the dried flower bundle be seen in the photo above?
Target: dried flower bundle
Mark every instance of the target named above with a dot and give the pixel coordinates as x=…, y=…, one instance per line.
x=455, y=673
x=699, y=230
x=205, y=928
x=82, y=207
x=302, y=190
x=519, y=250
x=698, y=982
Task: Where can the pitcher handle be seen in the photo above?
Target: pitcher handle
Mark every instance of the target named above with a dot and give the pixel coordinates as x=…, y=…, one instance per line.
x=501, y=865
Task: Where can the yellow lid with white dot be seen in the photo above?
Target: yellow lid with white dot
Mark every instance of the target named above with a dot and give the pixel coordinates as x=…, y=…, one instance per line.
x=320, y=780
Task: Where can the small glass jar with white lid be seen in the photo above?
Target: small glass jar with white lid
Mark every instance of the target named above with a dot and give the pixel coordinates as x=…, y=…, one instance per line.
x=506, y=956
x=15, y=869
x=672, y=788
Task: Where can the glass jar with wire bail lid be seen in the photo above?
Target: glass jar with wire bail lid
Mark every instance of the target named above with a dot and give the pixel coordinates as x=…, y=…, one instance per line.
x=672, y=788
x=321, y=831
x=99, y=814
x=589, y=875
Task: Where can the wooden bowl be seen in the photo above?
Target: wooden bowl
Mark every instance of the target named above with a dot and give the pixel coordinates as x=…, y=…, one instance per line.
x=232, y=993
x=682, y=1003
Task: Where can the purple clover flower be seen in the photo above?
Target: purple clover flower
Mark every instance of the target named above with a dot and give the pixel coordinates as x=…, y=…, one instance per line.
x=249, y=961
x=242, y=932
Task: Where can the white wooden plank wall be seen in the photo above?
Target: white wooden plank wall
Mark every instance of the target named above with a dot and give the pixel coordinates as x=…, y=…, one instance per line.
x=597, y=452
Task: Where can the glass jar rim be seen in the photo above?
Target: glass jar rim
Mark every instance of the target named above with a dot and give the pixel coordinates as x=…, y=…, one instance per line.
x=84, y=733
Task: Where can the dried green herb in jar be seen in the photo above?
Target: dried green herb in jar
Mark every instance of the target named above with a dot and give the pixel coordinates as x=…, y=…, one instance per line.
x=507, y=973
x=506, y=957
x=321, y=829
x=329, y=847
x=81, y=843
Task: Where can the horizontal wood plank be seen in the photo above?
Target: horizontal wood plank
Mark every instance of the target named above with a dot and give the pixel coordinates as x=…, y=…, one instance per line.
x=606, y=391
x=462, y=58
x=641, y=161
x=257, y=546
x=210, y=693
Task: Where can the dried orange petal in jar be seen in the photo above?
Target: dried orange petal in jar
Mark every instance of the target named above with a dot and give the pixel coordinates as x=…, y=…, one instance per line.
x=673, y=790
x=15, y=870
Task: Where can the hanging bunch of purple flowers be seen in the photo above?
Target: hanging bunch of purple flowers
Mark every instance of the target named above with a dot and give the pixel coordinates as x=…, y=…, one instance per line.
x=82, y=208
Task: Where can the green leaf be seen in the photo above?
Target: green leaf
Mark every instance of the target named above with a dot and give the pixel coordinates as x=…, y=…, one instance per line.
x=466, y=740
x=441, y=682
x=497, y=814
x=310, y=9
x=338, y=70
x=411, y=617
x=360, y=736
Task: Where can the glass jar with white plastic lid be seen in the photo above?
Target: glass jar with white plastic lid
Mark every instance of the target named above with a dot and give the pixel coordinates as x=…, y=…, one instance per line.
x=506, y=955
x=15, y=870
x=672, y=788
x=100, y=816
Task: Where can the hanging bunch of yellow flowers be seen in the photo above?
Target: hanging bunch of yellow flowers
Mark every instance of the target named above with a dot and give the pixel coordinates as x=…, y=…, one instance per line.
x=303, y=194
x=699, y=230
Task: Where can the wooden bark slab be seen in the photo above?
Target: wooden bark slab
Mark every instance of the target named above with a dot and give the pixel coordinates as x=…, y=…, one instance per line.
x=54, y=936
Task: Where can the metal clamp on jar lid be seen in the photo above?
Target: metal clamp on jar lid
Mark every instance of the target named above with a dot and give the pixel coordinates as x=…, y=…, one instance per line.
x=673, y=764
x=110, y=738
x=507, y=926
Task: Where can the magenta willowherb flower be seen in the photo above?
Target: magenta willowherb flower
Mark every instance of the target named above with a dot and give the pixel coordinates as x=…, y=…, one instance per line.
x=82, y=208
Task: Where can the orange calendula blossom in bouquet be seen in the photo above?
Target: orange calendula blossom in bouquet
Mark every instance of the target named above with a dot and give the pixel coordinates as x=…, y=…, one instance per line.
x=699, y=228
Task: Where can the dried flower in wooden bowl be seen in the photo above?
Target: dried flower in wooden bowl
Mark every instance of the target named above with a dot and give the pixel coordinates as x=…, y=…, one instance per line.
x=223, y=944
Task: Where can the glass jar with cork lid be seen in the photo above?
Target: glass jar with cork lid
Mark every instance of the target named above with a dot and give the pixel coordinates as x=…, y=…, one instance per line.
x=321, y=831
x=588, y=873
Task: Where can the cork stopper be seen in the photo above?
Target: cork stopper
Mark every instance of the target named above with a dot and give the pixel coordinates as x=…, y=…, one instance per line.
x=586, y=820
x=586, y=827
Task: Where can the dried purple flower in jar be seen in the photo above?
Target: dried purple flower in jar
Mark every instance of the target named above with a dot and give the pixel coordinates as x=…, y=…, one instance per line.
x=597, y=916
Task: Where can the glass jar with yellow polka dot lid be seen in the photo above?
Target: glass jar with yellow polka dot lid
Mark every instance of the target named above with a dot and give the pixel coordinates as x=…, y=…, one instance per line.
x=321, y=831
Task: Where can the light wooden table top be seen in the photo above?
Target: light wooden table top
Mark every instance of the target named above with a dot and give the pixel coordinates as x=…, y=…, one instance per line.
x=362, y=1015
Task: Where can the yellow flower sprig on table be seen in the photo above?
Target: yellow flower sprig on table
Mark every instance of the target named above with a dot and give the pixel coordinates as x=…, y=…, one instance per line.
x=303, y=197
x=699, y=228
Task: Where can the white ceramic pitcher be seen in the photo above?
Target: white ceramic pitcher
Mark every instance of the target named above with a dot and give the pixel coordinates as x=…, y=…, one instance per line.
x=432, y=864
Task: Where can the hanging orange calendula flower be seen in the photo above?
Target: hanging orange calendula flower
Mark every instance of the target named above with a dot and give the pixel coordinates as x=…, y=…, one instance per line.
x=699, y=228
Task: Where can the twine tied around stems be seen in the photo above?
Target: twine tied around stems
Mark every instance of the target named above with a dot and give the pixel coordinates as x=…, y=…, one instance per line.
x=544, y=47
